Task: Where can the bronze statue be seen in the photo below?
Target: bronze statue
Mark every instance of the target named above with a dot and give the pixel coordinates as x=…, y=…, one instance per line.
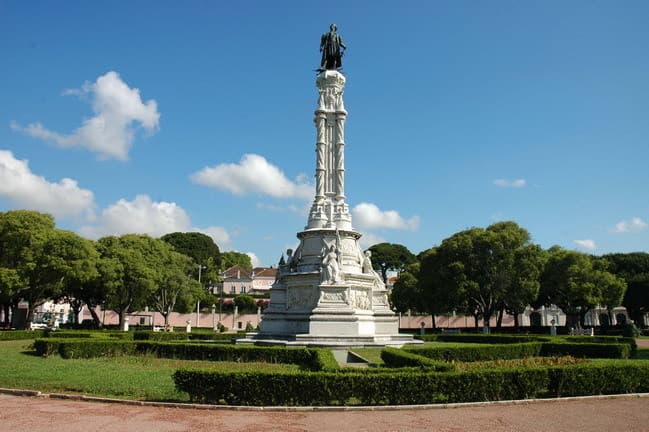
x=330, y=47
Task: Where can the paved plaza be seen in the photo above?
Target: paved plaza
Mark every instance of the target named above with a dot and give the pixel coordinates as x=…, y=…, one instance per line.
x=27, y=414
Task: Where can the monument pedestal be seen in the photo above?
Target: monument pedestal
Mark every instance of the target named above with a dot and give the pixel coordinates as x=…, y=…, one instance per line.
x=326, y=292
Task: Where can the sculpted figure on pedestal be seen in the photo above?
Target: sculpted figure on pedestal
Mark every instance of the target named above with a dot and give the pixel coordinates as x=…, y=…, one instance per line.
x=330, y=47
x=330, y=268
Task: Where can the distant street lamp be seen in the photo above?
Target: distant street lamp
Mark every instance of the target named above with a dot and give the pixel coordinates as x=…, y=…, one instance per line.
x=198, y=302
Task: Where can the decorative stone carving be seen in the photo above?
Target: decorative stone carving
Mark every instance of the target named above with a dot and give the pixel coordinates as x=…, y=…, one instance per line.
x=359, y=299
x=380, y=298
x=302, y=298
x=330, y=273
x=333, y=296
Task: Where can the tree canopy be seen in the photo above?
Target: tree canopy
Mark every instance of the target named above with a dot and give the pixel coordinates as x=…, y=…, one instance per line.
x=390, y=256
x=477, y=270
x=232, y=258
x=634, y=269
x=577, y=282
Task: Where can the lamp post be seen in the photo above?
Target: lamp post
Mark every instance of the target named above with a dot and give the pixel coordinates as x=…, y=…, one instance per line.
x=198, y=302
x=221, y=303
x=213, y=317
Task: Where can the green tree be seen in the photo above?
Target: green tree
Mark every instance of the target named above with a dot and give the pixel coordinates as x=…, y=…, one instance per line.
x=525, y=286
x=133, y=271
x=390, y=256
x=75, y=259
x=202, y=249
x=474, y=271
x=405, y=293
x=245, y=303
x=436, y=284
x=26, y=267
x=634, y=269
x=232, y=258
x=175, y=290
x=577, y=282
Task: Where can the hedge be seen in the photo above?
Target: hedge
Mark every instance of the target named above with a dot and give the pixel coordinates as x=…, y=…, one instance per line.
x=604, y=339
x=397, y=358
x=484, y=338
x=588, y=350
x=398, y=388
x=308, y=358
x=88, y=334
x=172, y=336
x=522, y=350
x=6, y=335
x=476, y=353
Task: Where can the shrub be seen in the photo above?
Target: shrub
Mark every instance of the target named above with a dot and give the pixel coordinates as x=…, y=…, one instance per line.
x=475, y=353
x=410, y=386
x=599, y=378
x=308, y=358
x=6, y=335
x=81, y=334
x=397, y=358
x=490, y=338
x=159, y=336
x=589, y=350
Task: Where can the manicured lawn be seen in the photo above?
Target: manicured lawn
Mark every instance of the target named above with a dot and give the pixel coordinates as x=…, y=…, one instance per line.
x=127, y=377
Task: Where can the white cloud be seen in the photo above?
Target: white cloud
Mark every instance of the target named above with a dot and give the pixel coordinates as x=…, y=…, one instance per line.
x=369, y=239
x=144, y=216
x=587, y=244
x=253, y=174
x=30, y=191
x=635, y=224
x=367, y=215
x=218, y=234
x=110, y=131
x=517, y=183
x=254, y=259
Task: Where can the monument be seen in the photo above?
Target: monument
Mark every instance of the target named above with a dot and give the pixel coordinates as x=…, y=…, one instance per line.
x=326, y=292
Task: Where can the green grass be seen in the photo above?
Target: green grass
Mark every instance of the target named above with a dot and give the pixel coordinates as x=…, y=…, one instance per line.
x=127, y=377
x=372, y=355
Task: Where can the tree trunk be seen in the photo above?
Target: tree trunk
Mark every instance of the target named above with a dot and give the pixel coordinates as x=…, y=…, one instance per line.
x=95, y=317
x=476, y=320
x=76, y=307
x=434, y=323
x=122, y=320
x=582, y=318
x=166, y=318
x=499, y=320
x=515, y=314
x=6, y=308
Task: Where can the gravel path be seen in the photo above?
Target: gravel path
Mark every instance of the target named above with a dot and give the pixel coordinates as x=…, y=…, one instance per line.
x=27, y=414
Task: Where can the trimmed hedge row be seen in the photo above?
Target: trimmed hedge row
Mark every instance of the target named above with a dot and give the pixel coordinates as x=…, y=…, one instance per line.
x=6, y=335
x=397, y=358
x=604, y=339
x=587, y=350
x=309, y=358
x=522, y=350
x=399, y=388
x=173, y=336
x=484, y=338
x=89, y=334
x=477, y=353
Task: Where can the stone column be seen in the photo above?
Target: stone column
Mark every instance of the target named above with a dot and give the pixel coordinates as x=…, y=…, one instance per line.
x=321, y=145
x=340, y=156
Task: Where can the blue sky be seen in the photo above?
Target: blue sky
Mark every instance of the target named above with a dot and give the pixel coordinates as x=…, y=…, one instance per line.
x=461, y=113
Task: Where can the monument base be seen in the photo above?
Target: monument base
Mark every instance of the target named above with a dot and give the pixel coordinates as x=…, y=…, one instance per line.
x=332, y=341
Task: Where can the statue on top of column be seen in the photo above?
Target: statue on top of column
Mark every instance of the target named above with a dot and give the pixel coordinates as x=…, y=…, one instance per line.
x=330, y=47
